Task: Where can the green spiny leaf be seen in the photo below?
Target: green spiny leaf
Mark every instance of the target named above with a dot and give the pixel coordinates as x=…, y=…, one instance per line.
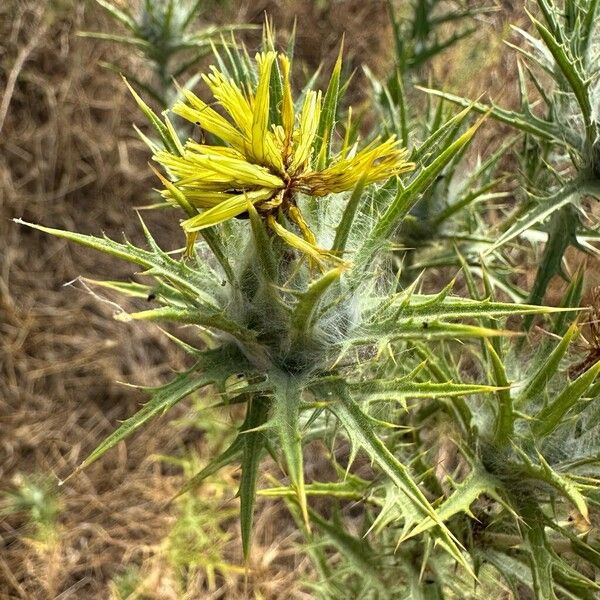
x=358, y=551
x=265, y=255
x=564, y=484
x=436, y=306
x=423, y=330
x=158, y=263
x=478, y=482
x=304, y=315
x=405, y=199
x=252, y=442
x=286, y=405
x=569, y=69
x=163, y=399
x=233, y=453
x=571, y=299
x=505, y=416
x=380, y=390
x=527, y=123
x=551, y=416
x=344, y=490
x=541, y=559
x=361, y=433
x=540, y=212
x=191, y=316
x=343, y=229
x=538, y=382
x=165, y=135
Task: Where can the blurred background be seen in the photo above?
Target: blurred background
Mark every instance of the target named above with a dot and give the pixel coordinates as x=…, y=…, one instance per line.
x=69, y=158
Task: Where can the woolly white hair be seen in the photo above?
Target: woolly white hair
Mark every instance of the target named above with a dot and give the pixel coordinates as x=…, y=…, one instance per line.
x=264, y=306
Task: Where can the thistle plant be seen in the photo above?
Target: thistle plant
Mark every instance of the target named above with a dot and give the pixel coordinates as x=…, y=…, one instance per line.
x=301, y=324
x=451, y=213
x=520, y=474
x=164, y=32
x=559, y=157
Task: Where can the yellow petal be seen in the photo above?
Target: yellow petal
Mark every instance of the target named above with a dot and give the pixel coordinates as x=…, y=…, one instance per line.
x=263, y=148
x=231, y=98
x=375, y=162
x=305, y=135
x=207, y=149
x=210, y=120
x=190, y=240
x=240, y=173
x=202, y=169
x=287, y=105
x=320, y=256
x=298, y=219
x=260, y=109
x=229, y=209
x=198, y=198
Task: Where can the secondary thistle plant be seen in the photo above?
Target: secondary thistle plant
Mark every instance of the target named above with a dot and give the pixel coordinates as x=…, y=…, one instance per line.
x=558, y=117
x=164, y=33
x=301, y=322
x=451, y=213
x=418, y=30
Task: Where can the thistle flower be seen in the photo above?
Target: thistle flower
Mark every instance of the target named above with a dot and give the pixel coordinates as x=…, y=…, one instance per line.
x=264, y=163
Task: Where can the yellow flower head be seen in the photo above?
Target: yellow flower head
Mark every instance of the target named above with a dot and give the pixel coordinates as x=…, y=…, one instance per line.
x=263, y=163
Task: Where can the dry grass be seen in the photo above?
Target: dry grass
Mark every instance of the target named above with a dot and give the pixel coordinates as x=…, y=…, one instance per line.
x=69, y=159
